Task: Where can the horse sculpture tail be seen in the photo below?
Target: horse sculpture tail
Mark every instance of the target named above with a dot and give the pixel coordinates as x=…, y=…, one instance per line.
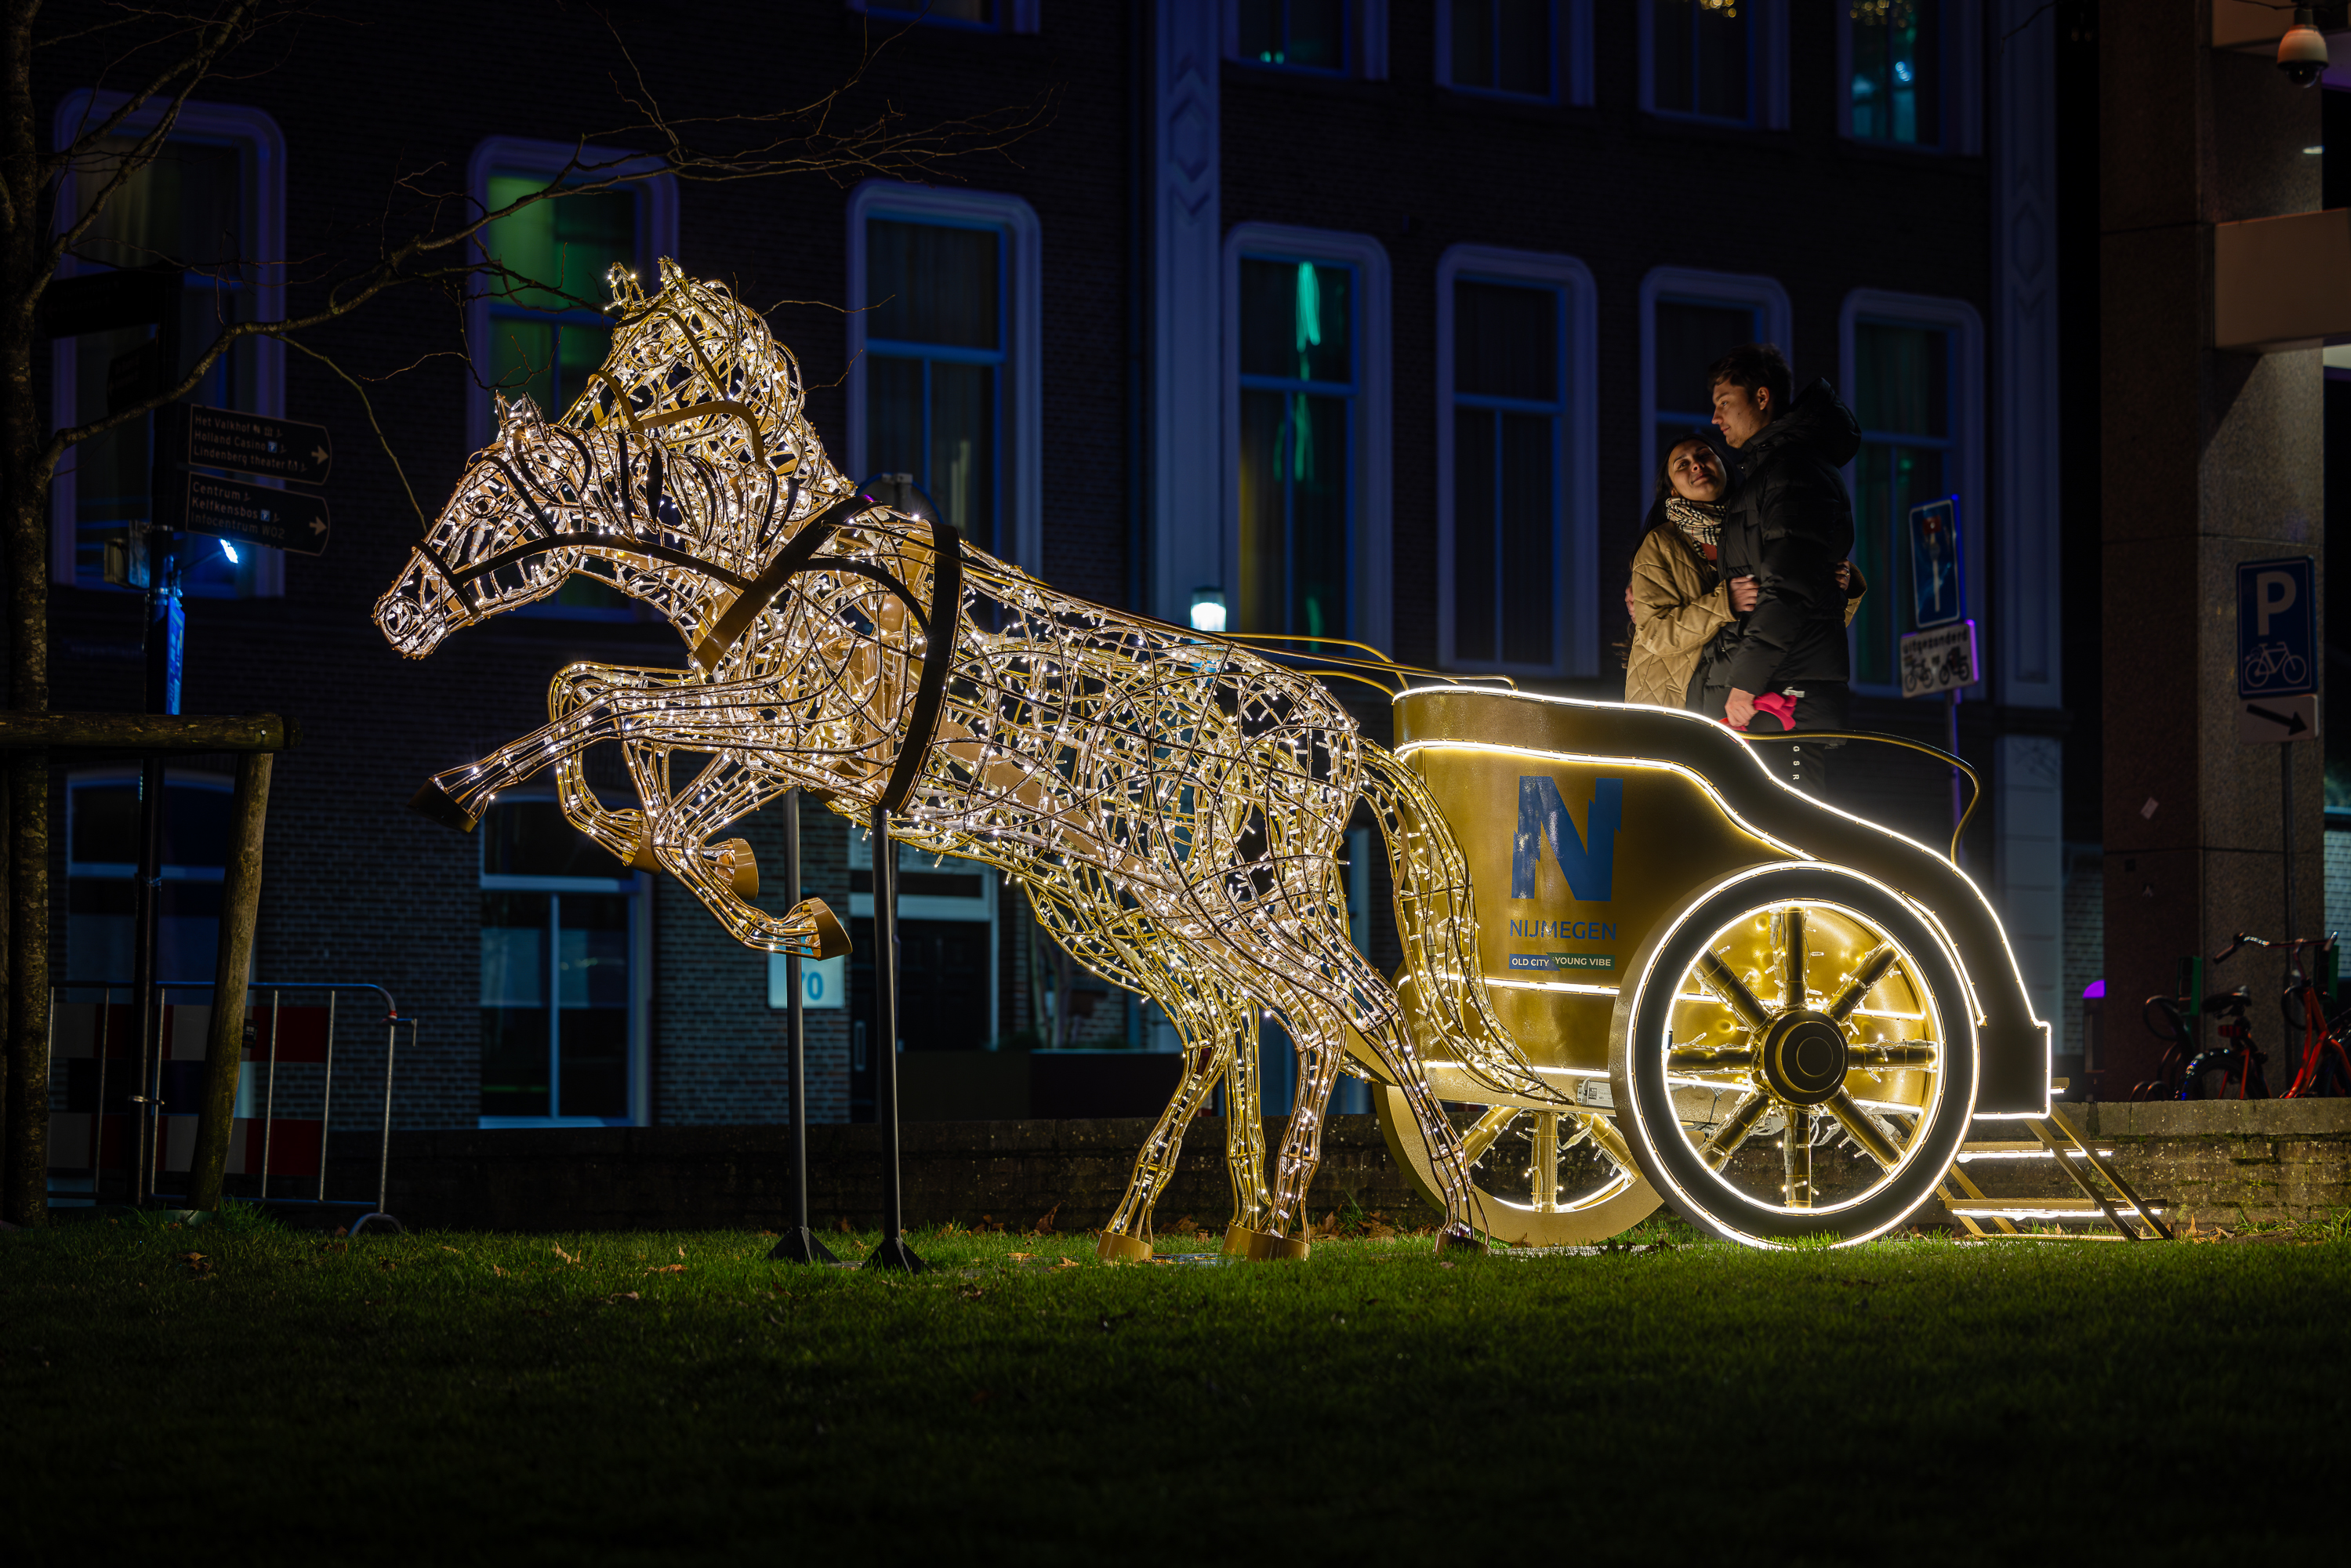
x=1444, y=998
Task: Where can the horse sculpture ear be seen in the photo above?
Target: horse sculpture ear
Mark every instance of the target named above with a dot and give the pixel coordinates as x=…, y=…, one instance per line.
x=515, y=414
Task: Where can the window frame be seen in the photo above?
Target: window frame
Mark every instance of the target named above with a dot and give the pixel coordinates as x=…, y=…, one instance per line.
x=1962, y=76
x=638, y=888
x=1965, y=445
x=1366, y=44
x=1370, y=607
x=1767, y=71
x=1019, y=402
x=656, y=237
x=1571, y=65
x=1575, y=553
x=261, y=146
x=1011, y=15
x=1756, y=291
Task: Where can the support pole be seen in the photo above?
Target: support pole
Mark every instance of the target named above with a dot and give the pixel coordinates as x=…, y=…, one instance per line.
x=2286, y=932
x=166, y=623
x=1951, y=745
x=800, y=1244
x=893, y=1253
x=224, y=1041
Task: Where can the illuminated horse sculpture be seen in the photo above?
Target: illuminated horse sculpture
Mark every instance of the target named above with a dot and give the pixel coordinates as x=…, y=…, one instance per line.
x=1172, y=803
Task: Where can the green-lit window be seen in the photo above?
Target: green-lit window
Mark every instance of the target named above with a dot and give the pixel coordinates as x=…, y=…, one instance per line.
x=1298, y=388
x=935, y=350
x=560, y=1019
x=1509, y=404
x=547, y=331
x=1896, y=87
x=1902, y=396
x=1295, y=35
x=1701, y=56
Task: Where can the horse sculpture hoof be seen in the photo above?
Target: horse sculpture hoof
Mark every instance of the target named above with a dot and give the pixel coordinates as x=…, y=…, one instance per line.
x=1115, y=1248
x=1460, y=1238
x=741, y=866
x=436, y=803
x=1258, y=1247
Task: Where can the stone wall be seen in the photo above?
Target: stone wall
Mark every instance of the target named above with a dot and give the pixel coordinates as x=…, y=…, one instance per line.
x=2213, y=1162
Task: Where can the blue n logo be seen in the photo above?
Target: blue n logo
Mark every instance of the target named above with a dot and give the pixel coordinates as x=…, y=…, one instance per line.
x=1589, y=859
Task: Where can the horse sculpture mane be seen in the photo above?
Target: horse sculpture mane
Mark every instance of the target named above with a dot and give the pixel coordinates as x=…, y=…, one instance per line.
x=1173, y=804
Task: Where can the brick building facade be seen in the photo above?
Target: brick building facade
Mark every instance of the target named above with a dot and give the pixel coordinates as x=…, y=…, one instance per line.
x=1388, y=162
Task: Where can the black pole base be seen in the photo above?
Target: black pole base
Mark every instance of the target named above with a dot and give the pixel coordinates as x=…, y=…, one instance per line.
x=799, y=1245
x=893, y=1253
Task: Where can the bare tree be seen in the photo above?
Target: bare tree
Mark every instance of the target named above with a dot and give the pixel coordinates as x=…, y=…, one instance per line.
x=430, y=237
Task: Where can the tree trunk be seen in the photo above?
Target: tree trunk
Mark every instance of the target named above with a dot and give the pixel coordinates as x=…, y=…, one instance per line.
x=224, y=1043
x=26, y=1162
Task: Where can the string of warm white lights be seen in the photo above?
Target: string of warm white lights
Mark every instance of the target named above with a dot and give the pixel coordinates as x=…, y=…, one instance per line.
x=1173, y=804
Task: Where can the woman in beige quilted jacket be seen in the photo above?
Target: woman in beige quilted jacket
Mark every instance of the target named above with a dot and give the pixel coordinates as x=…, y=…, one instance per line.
x=1676, y=600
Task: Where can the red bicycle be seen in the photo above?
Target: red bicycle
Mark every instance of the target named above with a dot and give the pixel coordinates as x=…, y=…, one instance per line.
x=2324, y=1069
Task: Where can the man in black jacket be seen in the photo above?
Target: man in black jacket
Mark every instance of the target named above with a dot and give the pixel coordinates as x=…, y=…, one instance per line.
x=1787, y=525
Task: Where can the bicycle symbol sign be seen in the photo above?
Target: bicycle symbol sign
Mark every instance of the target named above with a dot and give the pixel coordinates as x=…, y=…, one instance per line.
x=2276, y=629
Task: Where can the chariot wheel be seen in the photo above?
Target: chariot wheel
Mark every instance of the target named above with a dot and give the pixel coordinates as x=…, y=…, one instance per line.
x=1555, y=1177
x=1797, y=1057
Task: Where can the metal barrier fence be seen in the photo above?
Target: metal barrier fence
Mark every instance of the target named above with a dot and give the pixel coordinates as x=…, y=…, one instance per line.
x=150, y=1136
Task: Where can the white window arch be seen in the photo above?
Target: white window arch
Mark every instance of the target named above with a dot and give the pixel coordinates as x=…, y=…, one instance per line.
x=968, y=389
x=1516, y=444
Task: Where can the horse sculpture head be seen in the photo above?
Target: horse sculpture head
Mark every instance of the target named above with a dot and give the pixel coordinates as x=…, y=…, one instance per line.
x=543, y=502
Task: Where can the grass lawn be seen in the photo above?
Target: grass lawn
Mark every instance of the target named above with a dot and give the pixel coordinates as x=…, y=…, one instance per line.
x=658, y=1398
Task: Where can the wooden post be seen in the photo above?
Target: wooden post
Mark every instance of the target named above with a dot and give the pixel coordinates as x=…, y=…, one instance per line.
x=225, y=1044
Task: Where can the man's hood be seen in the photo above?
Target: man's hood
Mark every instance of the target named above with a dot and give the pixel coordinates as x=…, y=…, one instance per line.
x=1815, y=423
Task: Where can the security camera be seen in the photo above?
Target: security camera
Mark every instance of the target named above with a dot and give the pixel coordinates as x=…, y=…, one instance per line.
x=2301, y=53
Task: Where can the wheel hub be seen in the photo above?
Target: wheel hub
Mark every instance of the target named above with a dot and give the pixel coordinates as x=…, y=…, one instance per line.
x=1802, y=1061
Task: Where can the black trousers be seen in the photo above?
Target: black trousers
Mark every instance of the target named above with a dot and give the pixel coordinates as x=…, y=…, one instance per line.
x=1820, y=704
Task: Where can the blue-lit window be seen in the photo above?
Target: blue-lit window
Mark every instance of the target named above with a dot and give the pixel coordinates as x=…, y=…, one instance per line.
x=1505, y=46
x=194, y=205
x=1299, y=387
x=1895, y=93
x=1903, y=394
x=1510, y=406
x=562, y=1015
x=1293, y=35
x=935, y=347
x=1701, y=59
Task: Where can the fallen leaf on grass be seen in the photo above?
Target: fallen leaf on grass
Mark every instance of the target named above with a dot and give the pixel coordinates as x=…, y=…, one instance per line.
x=567, y=1256
x=624, y=1296
x=1066, y=1263
x=451, y=1249
x=1443, y=1264
x=668, y=1269
x=385, y=1264
x=197, y=1262
x=774, y=1320
x=1021, y=1256
x=681, y=1251
x=501, y=1273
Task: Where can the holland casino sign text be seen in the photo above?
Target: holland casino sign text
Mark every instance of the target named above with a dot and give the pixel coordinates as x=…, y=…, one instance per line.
x=1587, y=859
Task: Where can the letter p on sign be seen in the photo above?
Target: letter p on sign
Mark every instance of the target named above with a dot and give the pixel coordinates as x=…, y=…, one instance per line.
x=2274, y=593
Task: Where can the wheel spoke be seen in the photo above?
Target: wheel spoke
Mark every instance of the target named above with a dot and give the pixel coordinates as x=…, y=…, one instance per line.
x=1732, y=1130
x=1873, y=969
x=1603, y=1132
x=1733, y=990
x=1796, y=1157
x=1792, y=925
x=1709, y=1058
x=1875, y=1139
x=1484, y=1131
x=1901, y=1053
x=1546, y=1164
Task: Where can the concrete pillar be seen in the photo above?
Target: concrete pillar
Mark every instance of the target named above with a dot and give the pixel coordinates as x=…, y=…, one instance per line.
x=2208, y=459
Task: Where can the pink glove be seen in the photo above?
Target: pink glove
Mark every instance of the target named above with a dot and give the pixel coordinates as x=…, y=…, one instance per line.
x=1780, y=705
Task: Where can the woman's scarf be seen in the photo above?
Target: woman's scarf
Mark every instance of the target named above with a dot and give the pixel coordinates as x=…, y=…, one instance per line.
x=1699, y=522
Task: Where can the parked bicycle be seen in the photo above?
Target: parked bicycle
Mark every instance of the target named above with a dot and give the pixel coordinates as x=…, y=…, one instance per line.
x=2324, y=1068
x=2180, y=1075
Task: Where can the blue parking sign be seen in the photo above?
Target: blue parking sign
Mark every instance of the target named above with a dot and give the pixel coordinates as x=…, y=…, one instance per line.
x=2277, y=627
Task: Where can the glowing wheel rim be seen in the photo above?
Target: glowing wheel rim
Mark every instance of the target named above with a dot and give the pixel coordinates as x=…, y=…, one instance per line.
x=1718, y=1049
